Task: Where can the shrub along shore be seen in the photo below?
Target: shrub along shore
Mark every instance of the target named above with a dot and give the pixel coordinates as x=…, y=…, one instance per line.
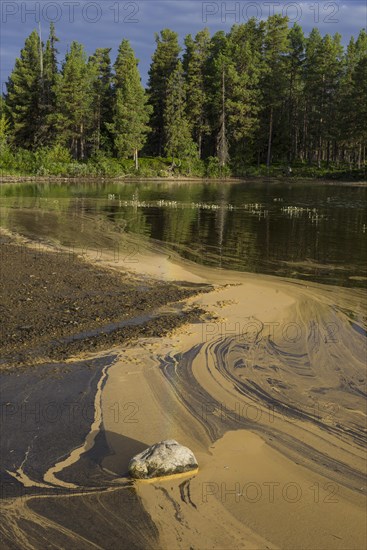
x=57, y=164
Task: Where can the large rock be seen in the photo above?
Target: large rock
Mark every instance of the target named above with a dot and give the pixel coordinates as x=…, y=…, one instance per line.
x=162, y=459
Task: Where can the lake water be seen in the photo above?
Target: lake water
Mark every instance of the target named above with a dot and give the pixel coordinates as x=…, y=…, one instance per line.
x=304, y=230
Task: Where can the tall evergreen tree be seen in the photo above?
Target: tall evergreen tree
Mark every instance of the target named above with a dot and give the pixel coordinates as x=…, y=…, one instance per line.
x=357, y=100
x=164, y=61
x=24, y=95
x=100, y=68
x=243, y=69
x=322, y=81
x=295, y=94
x=194, y=64
x=312, y=87
x=74, y=94
x=131, y=111
x=178, y=141
x=48, y=85
x=222, y=139
x=216, y=75
x=276, y=48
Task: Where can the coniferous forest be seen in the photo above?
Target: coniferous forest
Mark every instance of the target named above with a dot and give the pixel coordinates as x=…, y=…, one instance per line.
x=261, y=98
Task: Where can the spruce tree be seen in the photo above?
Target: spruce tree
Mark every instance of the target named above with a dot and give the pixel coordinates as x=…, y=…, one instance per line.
x=101, y=73
x=74, y=95
x=294, y=107
x=48, y=85
x=349, y=147
x=222, y=140
x=24, y=95
x=164, y=62
x=131, y=112
x=243, y=70
x=194, y=64
x=216, y=88
x=178, y=141
x=312, y=88
x=358, y=109
x=322, y=86
x=276, y=47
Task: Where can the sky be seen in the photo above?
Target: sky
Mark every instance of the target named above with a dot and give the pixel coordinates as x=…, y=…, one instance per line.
x=104, y=23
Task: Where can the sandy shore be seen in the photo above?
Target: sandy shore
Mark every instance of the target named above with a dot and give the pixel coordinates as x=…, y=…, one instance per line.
x=55, y=304
x=267, y=390
x=278, y=439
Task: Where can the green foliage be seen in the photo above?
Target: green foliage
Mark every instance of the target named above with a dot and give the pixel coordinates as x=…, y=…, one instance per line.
x=214, y=169
x=23, y=97
x=164, y=62
x=254, y=100
x=4, y=130
x=30, y=97
x=52, y=161
x=74, y=94
x=178, y=141
x=101, y=75
x=196, y=106
x=131, y=112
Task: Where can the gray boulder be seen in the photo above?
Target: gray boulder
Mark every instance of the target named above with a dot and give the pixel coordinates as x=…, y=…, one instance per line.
x=162, y=459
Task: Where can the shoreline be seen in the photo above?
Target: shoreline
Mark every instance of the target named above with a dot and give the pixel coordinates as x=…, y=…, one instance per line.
x=255, y=409
x=6, y=180
x=58, y=304
x=202, y=397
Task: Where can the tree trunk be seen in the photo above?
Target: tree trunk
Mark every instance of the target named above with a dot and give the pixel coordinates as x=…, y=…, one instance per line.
x=136, y=159
x=200, y=142
x=81, y=142
x=268, y=159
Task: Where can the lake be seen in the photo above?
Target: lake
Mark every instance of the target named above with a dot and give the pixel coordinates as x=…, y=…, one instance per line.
x=304, y=230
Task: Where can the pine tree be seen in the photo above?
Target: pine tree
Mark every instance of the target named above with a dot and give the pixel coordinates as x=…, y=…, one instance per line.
x=359, y=110
x=164, y=61
x=295, y=103
x=216, y=75
x=178, y=141
x=243, y=71
x=276, y=48
x=322, y=85
x=74, y=101
x=312, y=87
x=131, y=112
x=24, y=95
x=194, y=64
x=349, y=146
x=48, y=84
x=222, y=141
x=100, y=68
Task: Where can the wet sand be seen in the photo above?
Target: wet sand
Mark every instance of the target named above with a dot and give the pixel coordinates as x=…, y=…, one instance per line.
x=268, y=391
x=54, y=304
x=278, y=427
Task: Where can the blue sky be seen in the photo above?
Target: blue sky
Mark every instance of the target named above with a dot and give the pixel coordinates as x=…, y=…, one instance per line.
x=104, y=23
